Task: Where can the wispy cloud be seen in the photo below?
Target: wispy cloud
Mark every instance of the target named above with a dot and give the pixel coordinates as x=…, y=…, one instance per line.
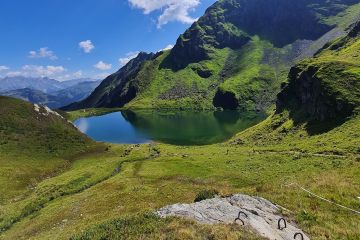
x=102, y=66
x=43, y=53
x=37, y=71
x=87, y=46
x=129, y=56
x=171, y=10
x=4, y=68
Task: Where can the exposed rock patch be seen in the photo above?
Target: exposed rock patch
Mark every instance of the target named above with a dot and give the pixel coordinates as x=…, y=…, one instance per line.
x=256, y=213
x=45, y=111
x=180, y=91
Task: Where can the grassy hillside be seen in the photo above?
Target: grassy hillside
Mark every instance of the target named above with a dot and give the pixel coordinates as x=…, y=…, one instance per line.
x=124, y=184
x=235, y=56
x=35, y=143
x=45, y=160
x=112, y=193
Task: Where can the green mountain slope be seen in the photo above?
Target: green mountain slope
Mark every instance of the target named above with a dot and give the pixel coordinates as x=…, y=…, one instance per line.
x=318, y=109
x=117, y=89
x=235, y=56
x=35, y=142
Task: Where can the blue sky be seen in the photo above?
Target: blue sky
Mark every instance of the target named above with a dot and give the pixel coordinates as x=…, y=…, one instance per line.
x=67, y=39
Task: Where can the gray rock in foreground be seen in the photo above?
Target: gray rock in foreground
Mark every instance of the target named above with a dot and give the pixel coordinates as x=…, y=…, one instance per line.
x=262, y=215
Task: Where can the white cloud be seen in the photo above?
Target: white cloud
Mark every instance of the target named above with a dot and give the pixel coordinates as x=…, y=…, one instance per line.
x=129, y=56
x=37, y=71
x=171, y=10
x=87, y=46
x=78, y=74
x=168, y=47
x=4, y=68
x=43, y=70
x=102, y=66
x=43, y=53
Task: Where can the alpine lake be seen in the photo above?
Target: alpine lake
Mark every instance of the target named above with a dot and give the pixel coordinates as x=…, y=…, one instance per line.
x=171, y=127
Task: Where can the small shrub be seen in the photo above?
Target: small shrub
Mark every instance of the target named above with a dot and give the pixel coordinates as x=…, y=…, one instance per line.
x=205, y=194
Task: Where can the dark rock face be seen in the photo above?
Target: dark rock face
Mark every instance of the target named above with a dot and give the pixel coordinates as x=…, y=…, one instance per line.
x=355, y=31
x=204, y=73
x=307, y=93
x=117, y=89
x=225, y=100
x=322, y=91
x=123, y=97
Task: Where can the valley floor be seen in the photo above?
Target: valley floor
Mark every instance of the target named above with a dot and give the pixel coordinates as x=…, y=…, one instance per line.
x=118, y=187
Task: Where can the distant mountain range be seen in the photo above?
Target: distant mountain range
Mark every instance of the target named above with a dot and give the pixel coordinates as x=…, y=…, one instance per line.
x=46, y=91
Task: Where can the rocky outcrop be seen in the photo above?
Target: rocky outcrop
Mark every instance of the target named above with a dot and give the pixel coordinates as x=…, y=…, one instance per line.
x=255, y=213
x=308, y=92
x=327, y=86
x=180, y=91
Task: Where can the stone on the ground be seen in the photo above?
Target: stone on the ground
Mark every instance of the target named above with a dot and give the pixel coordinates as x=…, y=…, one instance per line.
x=262, y=215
